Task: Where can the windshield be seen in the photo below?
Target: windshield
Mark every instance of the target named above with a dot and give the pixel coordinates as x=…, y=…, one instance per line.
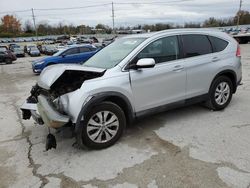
x=33, y=48
x=18, y=47
x=114, y=53
x=50, y=47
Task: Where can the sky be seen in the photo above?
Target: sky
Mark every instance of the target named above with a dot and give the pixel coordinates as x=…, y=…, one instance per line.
x=127, y=12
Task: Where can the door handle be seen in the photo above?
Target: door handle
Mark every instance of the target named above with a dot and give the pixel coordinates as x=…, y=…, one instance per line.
x=178, y=68
x=215, y=59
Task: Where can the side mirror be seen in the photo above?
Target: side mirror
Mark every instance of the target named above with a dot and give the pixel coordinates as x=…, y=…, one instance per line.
x=145, y=63
x=63, y=55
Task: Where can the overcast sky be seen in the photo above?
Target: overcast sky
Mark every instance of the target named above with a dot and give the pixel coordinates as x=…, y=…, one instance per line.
x=173, y=11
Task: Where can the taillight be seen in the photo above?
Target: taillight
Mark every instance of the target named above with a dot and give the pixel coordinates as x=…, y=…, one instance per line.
x=238, y=51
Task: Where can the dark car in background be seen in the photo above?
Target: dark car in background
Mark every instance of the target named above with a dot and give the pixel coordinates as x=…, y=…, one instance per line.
x=28, y=47
x=108, y=41
x=18, y=51
x=48, y=49
x=72, y=55
x=12, y=45
x=6, y=55
x=33, y=51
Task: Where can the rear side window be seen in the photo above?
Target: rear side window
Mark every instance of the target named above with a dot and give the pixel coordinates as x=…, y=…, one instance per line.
x=218, y=44
x=84, y=49
x=195, y=45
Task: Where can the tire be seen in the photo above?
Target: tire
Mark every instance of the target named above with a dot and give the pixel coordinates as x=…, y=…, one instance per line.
x=8, y=61
x=220, y=93
x=96, y=135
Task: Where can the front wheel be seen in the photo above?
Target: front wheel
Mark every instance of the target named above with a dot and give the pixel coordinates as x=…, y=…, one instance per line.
x=102, y=126
x=220, y=93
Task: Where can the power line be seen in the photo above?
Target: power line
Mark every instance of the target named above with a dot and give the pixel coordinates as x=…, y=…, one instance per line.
x=152, y=3
x=15, y=11
x=71, y=8
x=96, y=5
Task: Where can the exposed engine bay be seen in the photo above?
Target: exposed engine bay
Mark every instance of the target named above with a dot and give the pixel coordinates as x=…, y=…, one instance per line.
x=69, y=81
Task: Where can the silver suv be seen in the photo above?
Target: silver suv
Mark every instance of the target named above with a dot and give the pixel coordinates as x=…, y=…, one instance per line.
x=134, y=76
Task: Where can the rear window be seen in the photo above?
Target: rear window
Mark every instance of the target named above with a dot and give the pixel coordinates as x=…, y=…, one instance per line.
x=218, y=44
x=195, y=45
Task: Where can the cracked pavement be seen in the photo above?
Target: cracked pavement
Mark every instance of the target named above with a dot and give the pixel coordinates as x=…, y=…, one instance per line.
x=186, y=147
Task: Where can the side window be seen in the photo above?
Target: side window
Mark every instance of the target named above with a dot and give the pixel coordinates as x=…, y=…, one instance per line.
x=71, y=51
x=84, y=49
x=161, y=50
x=195, y=45
x=218, y=44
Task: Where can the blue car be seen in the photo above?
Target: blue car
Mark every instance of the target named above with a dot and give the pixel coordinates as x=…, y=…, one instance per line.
x=76, y=54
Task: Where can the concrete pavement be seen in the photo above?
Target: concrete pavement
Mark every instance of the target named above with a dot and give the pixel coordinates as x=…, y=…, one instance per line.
x=186, y=147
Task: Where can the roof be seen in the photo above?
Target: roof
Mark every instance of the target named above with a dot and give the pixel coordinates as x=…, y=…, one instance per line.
x=172, y=31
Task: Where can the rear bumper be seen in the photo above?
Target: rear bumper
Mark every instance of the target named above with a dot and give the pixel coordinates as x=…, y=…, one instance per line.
x=43, y=112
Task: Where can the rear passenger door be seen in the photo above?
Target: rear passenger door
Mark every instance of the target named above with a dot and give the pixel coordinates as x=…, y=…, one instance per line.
x=200, y=62
x=85, y=53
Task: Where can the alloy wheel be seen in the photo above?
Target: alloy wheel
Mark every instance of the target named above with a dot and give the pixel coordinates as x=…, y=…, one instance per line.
x=102, y=126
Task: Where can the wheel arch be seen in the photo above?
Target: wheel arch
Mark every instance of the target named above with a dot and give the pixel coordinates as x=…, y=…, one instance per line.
x=118, y=98
x=231, y=75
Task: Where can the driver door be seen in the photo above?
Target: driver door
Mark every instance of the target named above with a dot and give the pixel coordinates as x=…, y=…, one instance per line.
x=163, y=84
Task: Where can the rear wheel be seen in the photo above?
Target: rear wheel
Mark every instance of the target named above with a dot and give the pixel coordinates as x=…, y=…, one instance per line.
x=102, y=126
x=220, y=93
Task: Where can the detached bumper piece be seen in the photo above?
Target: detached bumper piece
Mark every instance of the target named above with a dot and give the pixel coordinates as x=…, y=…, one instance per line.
x=50, y=142
x=49, y=115
x=30, y=110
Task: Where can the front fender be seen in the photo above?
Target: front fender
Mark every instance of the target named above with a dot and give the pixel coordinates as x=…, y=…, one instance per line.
x=98, y=98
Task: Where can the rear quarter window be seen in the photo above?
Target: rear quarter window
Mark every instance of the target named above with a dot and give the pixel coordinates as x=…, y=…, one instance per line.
x=218, y=44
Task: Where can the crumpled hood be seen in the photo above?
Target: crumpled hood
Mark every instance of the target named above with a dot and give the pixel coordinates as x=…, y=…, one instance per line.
x=51, y=73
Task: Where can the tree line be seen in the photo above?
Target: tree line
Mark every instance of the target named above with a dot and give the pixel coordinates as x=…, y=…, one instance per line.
x=11, y=26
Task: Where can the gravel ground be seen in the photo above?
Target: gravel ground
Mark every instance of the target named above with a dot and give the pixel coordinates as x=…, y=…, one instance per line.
x=186, y=147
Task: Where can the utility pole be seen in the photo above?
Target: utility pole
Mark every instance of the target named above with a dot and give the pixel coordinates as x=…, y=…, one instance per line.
x=113, y=17
x=34, y=21
x=238, y=15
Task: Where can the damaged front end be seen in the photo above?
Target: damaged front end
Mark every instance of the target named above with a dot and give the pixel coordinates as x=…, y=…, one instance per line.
x=43, y=105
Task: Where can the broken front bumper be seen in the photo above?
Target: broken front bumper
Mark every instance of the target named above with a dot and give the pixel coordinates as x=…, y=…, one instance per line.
x=44, y=112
